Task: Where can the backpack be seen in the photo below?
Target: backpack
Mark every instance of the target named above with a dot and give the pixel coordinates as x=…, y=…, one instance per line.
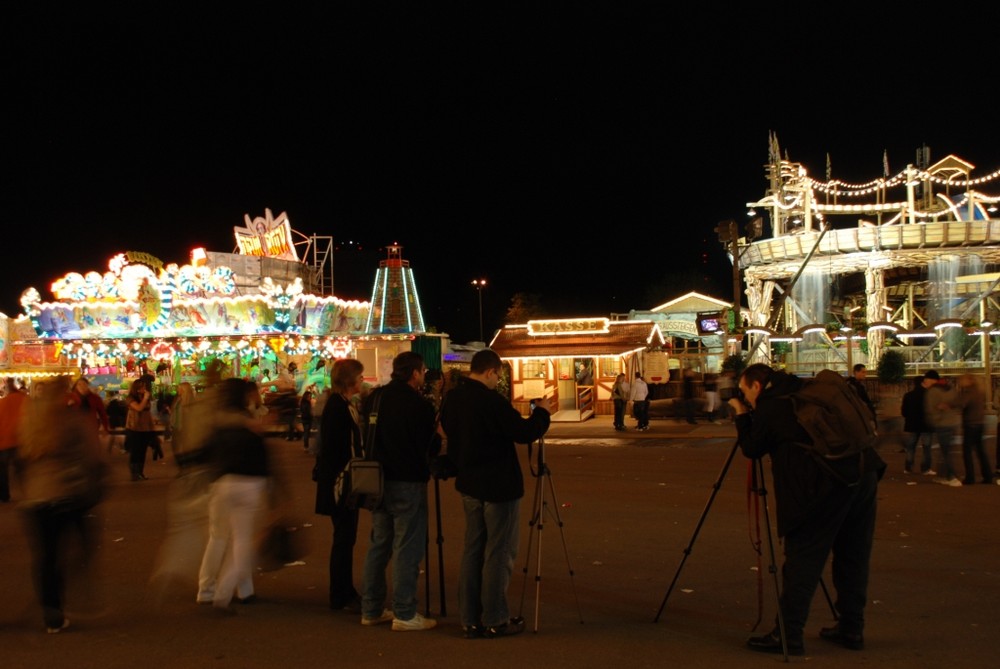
x=837, y=420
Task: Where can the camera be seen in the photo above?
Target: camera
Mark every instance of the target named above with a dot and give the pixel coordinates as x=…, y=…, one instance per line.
x=532, y=403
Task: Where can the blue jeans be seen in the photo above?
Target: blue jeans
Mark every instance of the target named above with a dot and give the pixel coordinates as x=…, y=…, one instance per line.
x=399, y=533
x=945, y=436
x=491, y=542
x=924, y=439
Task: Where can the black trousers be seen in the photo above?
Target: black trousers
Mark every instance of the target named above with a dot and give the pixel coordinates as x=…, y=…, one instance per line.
x=620, y=413
x=345, y=534
x=844, y=525
x=51, y=528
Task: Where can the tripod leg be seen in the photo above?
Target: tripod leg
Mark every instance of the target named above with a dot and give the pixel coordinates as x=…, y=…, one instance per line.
x=559, y=523
x=772, y=567
x=697, y=529
x=535, y=519
x=440, y=545
x=829, y=600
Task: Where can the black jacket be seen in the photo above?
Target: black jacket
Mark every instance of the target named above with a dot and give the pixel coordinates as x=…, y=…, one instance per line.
x=914, y=418
x=339, y=433
x=405, y=437
x=482, y=428
x=805, y=484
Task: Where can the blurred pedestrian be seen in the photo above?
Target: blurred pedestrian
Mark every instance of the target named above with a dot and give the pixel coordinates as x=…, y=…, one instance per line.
x=339, y=441
x=140, y=433
x=178, y=416
x=688, y=398
x=942, y=410
x=973, y=402
x=238, y=458
x=84, y=398
x=915, y=424
x=61, y=470
x=306, y=413
x=11, y=410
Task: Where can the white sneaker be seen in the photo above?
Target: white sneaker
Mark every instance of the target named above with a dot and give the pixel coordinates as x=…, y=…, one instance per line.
x=385, y=617
x=415, y=624
x=954, y=482
x=929, y=472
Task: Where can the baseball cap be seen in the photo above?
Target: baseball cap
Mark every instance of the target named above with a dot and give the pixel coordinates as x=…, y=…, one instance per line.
x=932, y=374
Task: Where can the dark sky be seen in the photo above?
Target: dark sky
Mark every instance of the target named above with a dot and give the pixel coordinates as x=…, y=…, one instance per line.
x=584, y=154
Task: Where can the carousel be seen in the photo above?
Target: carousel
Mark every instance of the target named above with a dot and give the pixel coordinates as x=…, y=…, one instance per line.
x=836, y=272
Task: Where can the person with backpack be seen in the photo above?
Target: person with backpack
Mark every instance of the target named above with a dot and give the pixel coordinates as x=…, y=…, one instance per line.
x=915, y=425
x=824, y=505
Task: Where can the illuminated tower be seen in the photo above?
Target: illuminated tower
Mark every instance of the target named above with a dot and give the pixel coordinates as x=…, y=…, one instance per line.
x=395, y=304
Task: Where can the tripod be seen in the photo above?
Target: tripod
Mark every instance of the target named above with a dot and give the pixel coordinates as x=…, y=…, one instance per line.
x=540, y=507
x=757, y=487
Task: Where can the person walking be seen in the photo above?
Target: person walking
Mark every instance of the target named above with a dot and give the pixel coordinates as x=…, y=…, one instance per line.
x=84, y=398
x=404, y=442
x=339, y=441
x=619, y=397
x=238, y=456
x=482, y=429
x=306, y=414
x=973, y=402
x=61, y=471
x=11, y=409
x=638, y=395
x=942, y=411
x=823, y=507
x=915, y=425
x=140, y=433
x=688, y=395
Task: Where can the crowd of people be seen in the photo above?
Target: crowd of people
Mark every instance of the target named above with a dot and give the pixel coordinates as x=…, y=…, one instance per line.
x=226, y=481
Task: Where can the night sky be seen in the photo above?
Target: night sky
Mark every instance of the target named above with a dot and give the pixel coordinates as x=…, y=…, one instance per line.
x=584, y=154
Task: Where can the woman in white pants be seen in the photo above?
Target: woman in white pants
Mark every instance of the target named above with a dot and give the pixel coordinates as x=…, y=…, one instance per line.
x=239, y=455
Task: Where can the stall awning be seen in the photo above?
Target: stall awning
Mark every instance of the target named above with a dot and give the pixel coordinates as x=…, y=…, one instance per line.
x=576, y=338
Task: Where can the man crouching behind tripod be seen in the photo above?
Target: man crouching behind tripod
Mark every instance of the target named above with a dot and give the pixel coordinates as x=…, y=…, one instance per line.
x=822, y=506
x=482, y=429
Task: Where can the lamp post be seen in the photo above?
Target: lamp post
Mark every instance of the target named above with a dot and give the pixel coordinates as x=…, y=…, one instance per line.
x=480, y=284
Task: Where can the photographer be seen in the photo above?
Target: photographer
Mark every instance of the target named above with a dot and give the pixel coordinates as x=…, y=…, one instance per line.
x=482, y=429
x=822, y=507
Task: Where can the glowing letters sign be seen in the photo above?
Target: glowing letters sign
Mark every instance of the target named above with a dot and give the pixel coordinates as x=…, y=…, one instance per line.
x=570, y=326
x=266, y=236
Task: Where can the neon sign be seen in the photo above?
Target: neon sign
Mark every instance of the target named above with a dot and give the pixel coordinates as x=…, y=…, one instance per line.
x=266, y=236
x=570, y=326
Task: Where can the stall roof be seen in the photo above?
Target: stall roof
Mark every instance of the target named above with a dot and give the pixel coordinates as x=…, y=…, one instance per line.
x=607, y=339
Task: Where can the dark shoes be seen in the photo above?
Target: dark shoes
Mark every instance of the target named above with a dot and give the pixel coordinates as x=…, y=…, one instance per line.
x=514, y=626
x=473, y=631
x=852, y=640
x=771, y=643
x=350, y=606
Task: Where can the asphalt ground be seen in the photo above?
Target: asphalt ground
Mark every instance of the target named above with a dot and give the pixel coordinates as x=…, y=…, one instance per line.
x=624, y=515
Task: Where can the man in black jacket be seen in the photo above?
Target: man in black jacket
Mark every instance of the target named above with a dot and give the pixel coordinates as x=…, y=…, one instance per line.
x=482, y=429
x=915, y=424
x=404, y=443
x=823, y=506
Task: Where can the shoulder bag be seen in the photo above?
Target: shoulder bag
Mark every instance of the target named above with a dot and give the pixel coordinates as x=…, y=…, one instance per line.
x=359, y=485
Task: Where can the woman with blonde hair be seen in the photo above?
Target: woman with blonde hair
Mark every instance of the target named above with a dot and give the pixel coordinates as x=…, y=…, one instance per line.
x=339, y=440
x=61, y=469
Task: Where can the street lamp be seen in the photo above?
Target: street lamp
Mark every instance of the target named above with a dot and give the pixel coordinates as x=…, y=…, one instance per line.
x=480, y=284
